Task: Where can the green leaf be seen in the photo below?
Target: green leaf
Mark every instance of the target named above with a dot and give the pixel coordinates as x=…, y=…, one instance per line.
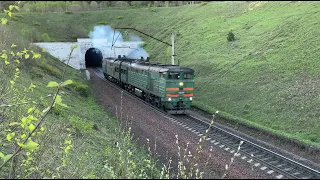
x=24, y=51
x=12, y=53
x=14, y=123
x=67, y=149
x=32, y=86
x=74, y=47
x=52, y=84
x=17, y=7
x=30, y=110
x=36, y=56
x=11, y=82
x=17, y=61
x=4, y=56
x=1, y=155
x=19, y=2
x=26, y=56
x=19, y=54
x=6, y=62
x=67, y=82
x=23, y=136
x=10, y=136
x=24, y=122
x=13, y=45
x=10, y=7
x=31, y=145
x=58, y=99
x=4, y=21
x=63, y=105
x=32, y=118
x=31, y=127
x=9, y=13
x=20, y=144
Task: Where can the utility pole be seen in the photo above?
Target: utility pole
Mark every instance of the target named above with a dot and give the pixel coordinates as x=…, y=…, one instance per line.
x=172, y=37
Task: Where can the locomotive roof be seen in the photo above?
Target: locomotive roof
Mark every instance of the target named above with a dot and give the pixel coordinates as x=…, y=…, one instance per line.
x=157, y=67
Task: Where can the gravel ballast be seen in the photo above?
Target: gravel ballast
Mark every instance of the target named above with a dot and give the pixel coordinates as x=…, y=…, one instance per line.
x=146, y=124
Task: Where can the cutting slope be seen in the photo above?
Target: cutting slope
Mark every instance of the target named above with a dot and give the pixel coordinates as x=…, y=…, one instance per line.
x=267, y=77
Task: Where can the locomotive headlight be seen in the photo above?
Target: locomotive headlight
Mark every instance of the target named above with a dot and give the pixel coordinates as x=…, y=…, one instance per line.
x=180, y=83
x=169, y=99
x=190, y=98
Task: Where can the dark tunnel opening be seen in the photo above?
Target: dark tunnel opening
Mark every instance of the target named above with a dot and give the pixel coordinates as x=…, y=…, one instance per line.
x=93, y=58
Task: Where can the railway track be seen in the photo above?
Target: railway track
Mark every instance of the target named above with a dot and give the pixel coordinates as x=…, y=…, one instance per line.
x=272, y=163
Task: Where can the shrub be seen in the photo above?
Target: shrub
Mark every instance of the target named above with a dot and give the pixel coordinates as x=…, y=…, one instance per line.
x=75, y=7
x=203, y=3
x=25, y=32
x=45, y=37
x=36, y=73
x=50, y=69
x=81, y=88
x=16, y=17
x=103, y=23
x=119, y=17
x=80, y=125
x=121, y=4
x=77, y=31
x=231, y=36
x=35, y=23
x=144, y=44
x=94, y=5
x=84, y=5
x=153, y=9
x=136, y=4
x=68, y=12
x=58, y=111
x=58, y=9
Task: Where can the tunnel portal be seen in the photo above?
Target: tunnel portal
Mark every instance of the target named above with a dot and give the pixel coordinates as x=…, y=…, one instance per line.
x=93, y=58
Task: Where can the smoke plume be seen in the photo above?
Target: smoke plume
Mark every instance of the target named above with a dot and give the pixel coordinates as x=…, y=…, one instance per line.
x=104, y=36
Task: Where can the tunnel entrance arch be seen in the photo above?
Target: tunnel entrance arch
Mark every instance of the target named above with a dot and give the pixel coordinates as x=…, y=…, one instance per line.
x=93, y=58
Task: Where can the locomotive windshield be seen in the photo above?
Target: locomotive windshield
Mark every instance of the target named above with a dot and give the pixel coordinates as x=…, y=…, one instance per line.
x=187, y=76
x=177, y=75
x=173, y=75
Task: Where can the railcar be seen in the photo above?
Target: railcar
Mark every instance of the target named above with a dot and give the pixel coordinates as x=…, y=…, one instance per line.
x=166, y=86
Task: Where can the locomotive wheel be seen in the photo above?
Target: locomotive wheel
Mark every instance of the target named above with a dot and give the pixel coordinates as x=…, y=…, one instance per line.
x=163, y=108
x=158, y=102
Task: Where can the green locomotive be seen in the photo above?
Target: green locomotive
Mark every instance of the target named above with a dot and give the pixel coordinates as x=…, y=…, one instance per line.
x=166, y=86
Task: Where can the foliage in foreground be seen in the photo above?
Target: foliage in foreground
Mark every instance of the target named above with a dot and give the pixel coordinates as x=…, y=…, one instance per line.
x=39, y=139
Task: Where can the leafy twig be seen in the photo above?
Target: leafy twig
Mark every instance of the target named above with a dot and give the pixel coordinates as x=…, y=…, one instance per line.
x=46, y=111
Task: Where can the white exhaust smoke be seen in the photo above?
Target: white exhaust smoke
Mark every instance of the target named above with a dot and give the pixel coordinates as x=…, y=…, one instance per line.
x=103, y=37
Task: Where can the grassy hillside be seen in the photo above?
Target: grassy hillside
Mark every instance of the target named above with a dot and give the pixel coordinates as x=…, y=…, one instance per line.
x=99, y=149
x=267, y=77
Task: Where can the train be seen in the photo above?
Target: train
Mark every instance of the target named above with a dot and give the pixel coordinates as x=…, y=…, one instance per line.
x=168, y=87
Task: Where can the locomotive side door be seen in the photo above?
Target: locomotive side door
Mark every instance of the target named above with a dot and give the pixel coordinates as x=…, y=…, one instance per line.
x=149, y=79
x=152, y=84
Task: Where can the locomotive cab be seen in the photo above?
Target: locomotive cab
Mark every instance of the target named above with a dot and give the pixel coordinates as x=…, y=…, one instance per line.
x=179, y=90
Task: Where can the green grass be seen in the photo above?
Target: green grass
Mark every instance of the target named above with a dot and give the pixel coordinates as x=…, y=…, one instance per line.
x=268, y=76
